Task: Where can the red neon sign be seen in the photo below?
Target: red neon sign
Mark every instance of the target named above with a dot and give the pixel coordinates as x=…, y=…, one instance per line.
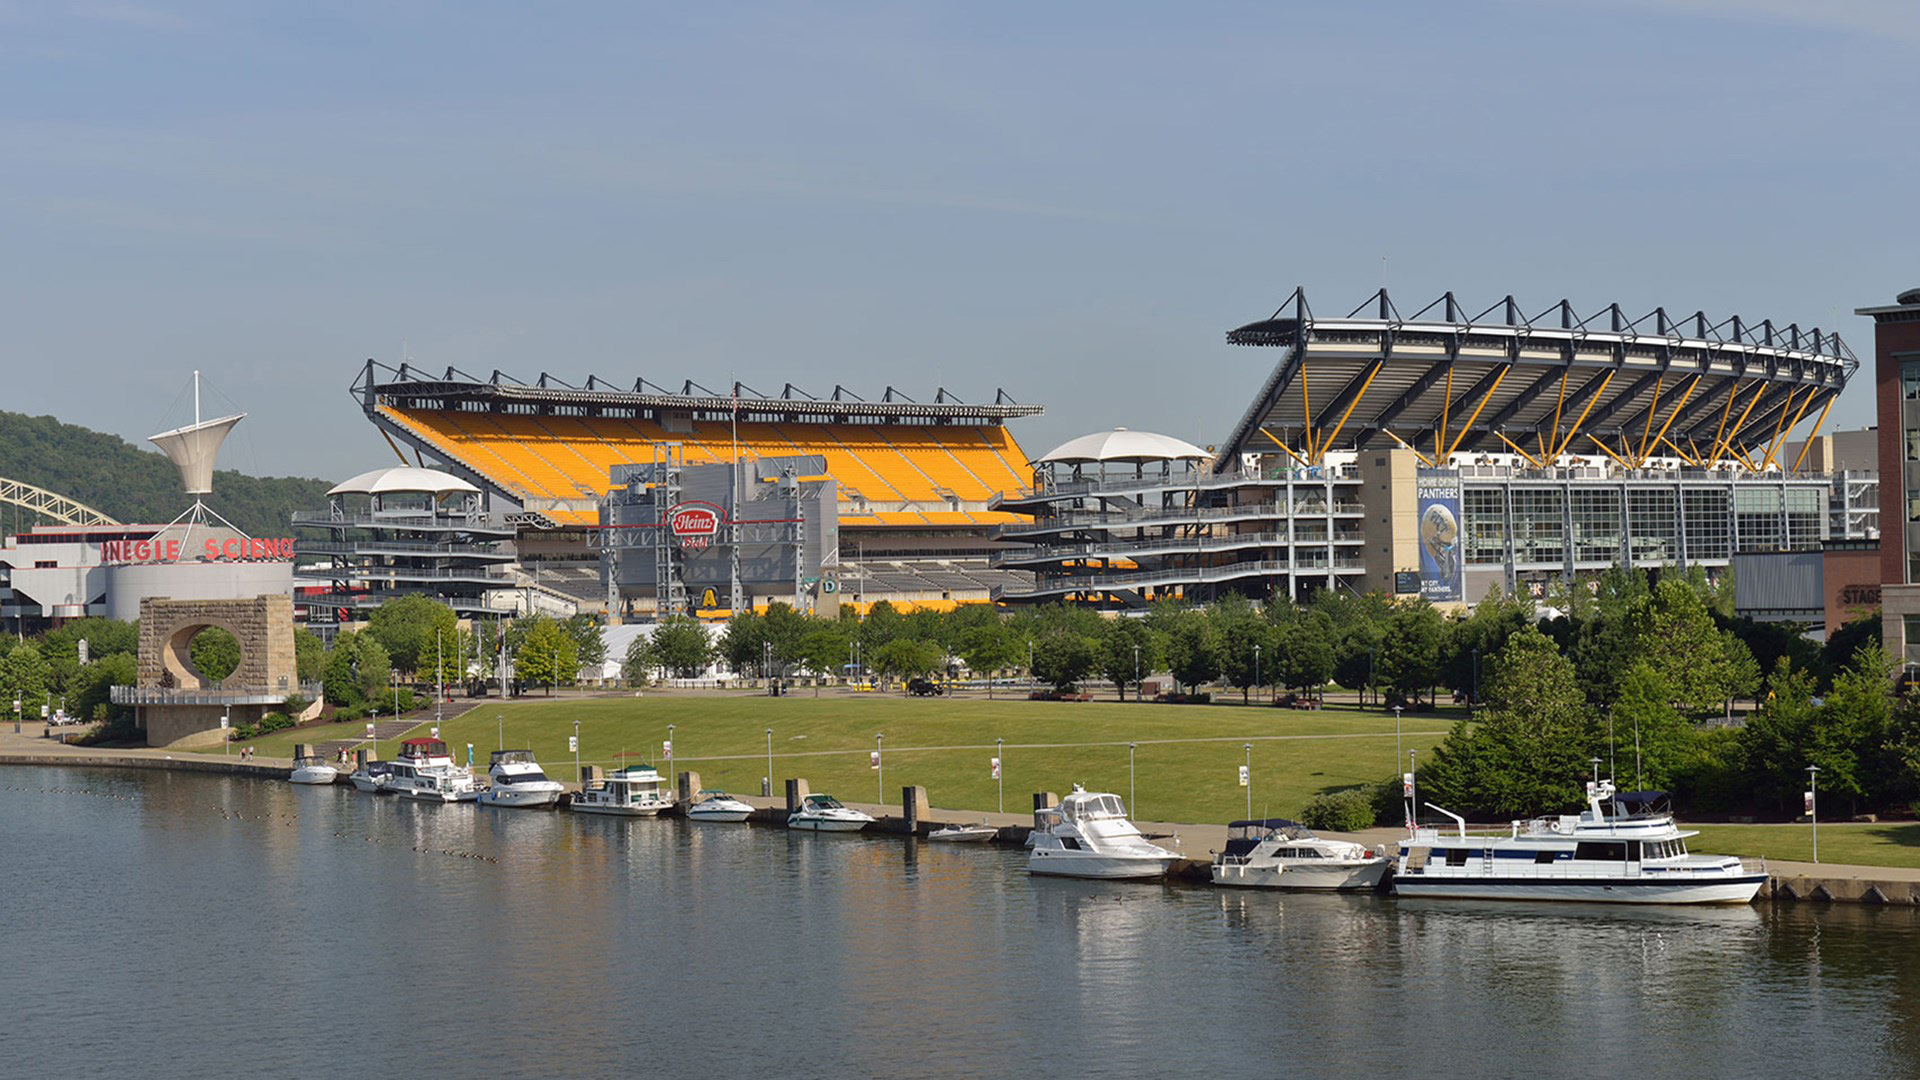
x=216, y=549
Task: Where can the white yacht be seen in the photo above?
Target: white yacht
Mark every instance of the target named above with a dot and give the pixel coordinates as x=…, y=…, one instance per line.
x=823, y=813
x=1088, y=836
x=425, y=771
x=630, y=792
x=313, y=769
x=963, y=834
x=1634, y=855
x=515, y=779
x=1276, y=853
x=712, y=805
x=373, y=778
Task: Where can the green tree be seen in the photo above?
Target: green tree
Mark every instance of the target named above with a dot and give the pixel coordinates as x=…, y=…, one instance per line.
x=215, y=654
x=1473, y=641
x=406, y=627
x=743, y=644
x=1063, y=658
x=989, y=647
x=825, y=648
x=547, y=655
x=1650, y=735
x=1777, y=741
x=1409, y=657
x=882, y=624
x=1245, y=643
x=1129, y=650
x=1306, y=657
x=784, y=629
x=589, y=647
x=90, y=695
x=904, y=658
x=309, y=655
x=1192, y=646
x=1852, y=730
x=1699, y=663
x=1606, y=638
x=1528, y=755
x=23, y=678
x=682, y=645
x=640, y=661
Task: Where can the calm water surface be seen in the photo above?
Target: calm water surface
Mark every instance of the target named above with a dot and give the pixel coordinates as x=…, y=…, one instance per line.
x=162, y=925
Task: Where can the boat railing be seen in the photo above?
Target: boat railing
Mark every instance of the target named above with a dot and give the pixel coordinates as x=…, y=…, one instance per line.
x=1752, y=865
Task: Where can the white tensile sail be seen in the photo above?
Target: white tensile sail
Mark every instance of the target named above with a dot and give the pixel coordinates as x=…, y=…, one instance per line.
x=193, y=449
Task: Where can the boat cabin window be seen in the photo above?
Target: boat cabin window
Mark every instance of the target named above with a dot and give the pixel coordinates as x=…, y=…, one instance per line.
x=1093, y=808
x=1662, y=849
x=522, y=778
x=1459, y=856
x=1601, y=850
x=1543, y=856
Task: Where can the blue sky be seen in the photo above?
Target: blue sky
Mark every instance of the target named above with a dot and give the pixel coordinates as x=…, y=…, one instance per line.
x=1070, y=201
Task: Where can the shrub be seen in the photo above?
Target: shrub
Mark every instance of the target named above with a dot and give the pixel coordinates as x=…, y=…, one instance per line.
x=1342, y=811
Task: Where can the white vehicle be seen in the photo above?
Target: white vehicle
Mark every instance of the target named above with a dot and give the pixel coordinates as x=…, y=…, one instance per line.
x=717, y=806
x=425, y=771
x=1279, y=854
x=963, y=834
x=313, y=769
x=373, y=778
x=630, y=792
x=1634, y=856
x=823, y=813
x=515, y=779
x=1088, y=836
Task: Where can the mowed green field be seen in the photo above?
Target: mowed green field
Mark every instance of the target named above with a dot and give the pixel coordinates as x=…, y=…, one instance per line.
x=1883, y=844
x=1187, y=761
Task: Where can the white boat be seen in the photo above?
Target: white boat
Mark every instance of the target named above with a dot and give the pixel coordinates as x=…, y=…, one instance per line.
x=1634, y=855
x=373, y=778
x=717, y=806
x=425, y=772
x=823, y=813
x=313, y=769
x=630, y=792
x=1088, y=836
x=1276, y=853
x=515, y=779
x=963, y=834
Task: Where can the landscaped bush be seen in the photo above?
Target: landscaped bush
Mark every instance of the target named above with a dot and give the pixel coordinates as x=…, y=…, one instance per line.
x=1342, y=811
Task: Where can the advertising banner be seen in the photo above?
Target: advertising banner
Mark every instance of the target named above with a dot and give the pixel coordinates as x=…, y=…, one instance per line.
x=1442, y=576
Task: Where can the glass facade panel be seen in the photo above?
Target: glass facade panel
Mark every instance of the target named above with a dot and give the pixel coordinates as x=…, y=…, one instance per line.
x=1652, y=529
x=1806, y=514
x=1539, y=526
x=1708, y=514
x=1910, y=380
x=1911, y=623
x=1596, y=525
x=1485, y=510
x=1757, y=518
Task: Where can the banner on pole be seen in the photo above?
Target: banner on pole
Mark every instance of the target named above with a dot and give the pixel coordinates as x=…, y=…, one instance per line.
x=996, y=768
x=1245, y=777
x=873, y=759
x=573, y=744
x=1808, y=796
x=666, y=747
x=369, y=731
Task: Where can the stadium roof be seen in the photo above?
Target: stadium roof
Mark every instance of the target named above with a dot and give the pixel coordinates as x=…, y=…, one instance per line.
x=403, y=479
x=1443, y=382
x=1123, y=445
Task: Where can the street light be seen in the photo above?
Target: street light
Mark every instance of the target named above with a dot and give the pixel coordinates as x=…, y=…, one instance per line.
x=1413, y=783
x=1000, y=770
x=1249, y=749
x=1131, y=803
x=1396, y=733
x=1813, y=807
x=880, y=765
x=576, y=747
x=1029, y=663
x=672, y=779
x=1136, y=673
x=1256, y=664
x=767, y=785
x=1471, y=701
x=1595, y=762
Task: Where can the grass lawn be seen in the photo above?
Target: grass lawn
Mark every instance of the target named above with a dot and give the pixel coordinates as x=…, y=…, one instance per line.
x=1883, y=844
x=1187, y=760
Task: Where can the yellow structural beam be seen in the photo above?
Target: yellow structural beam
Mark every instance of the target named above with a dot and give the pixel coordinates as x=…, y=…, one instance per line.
x=1283, y=446
x=1780, y=426
x=1679, y=453
x=1446, y=400
x=1327, y=443
x=1575, y=430
x=1815, y=433
x=1306, y=410
x=1722, y=445
x=1475, y=415
x=1652, y=407
x=1782, y=441
x=1671, y=417
x=1608, y=450
x=1410, y=446
x=1537, y=463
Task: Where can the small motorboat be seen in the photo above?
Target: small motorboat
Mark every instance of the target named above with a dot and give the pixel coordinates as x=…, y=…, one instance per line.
x=963, y=834
x=717, y=806
x=1276, y=853
x=630, y=792
x=313, y=769
x=515, y=779
x=823, y=813
x=425, y=771
x=1088, y=836
x=374, y=778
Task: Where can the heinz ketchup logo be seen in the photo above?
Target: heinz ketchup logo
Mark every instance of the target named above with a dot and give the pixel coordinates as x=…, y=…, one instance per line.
x=694, y=523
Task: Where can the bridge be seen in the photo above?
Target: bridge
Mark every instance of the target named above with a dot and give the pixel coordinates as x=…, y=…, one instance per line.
x=61, y=509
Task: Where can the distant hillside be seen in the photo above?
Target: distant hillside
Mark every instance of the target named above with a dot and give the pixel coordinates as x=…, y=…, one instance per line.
x=139, y=486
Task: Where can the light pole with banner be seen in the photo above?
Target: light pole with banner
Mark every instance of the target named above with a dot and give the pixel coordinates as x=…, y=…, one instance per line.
x=1246, y=779
x=1813, y=807
x=1132, y=807
x=672, y=779
x=999, y=770
x=880, y=765
x=766, y=787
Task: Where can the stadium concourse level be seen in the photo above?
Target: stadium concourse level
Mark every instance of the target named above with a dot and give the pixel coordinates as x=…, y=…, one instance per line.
x=550, y=446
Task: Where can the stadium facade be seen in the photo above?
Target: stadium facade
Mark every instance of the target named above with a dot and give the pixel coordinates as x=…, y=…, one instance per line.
x=1441, y=453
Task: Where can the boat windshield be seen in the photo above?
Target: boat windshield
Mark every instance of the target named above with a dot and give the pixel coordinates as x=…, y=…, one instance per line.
x=534, y=777
x=1093, y=808
x=822, y=802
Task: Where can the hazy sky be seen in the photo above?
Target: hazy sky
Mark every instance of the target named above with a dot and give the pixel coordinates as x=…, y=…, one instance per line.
x=1071, y=201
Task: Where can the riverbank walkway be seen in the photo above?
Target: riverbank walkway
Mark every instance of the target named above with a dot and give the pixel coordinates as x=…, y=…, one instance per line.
x=1788, y=880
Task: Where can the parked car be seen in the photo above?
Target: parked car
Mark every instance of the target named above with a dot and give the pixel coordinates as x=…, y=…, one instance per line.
x=924, y=688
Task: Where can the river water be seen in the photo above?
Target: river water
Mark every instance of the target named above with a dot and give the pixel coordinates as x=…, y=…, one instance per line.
x=163, y=925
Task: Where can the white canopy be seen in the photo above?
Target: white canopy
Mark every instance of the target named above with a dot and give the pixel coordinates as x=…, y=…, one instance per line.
x=403, y=479
x=1123, y=445
x=193, y=448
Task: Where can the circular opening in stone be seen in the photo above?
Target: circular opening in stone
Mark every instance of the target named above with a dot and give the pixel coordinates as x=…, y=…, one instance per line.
x=215, y=654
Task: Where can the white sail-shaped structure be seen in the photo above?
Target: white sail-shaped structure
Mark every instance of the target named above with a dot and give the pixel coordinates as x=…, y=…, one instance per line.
x=192, y=450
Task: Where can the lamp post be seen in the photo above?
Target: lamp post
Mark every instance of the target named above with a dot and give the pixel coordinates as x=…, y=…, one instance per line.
x=672, y=779
x=576, y=747
x=1396, y=733
x=226, y=730
x=1256, y=664
x=1000, y=770
x=1249, y=749
x=16, y=716
x=880, y=765
x=767, y=787
x=1136, y=673
x=1132, y=805
x=1813, y=807
x=1595, y=762
x=500, y=721
x=1029, y=663
x=1413, y=782
x=1474, y=700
